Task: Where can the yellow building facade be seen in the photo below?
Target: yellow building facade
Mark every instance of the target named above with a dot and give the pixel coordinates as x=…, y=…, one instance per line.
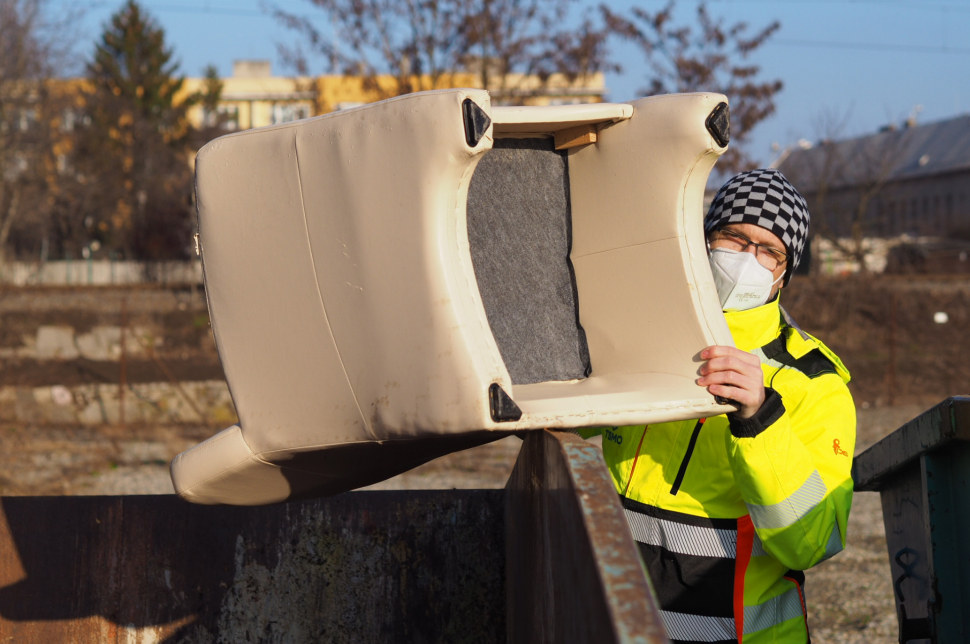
x=254, y=97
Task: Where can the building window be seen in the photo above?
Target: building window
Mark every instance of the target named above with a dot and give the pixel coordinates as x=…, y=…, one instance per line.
x=68, y=120
x=18, y=166
x=27, y=117
x=286, y=112
x=227, y=115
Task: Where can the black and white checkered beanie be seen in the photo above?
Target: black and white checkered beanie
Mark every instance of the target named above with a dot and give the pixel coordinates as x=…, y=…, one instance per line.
x=764, y=198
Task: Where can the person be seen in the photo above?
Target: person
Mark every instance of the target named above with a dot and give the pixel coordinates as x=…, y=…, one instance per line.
x=727, y=511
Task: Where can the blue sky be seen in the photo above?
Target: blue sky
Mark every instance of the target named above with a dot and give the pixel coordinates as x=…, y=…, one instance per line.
x=864, y=63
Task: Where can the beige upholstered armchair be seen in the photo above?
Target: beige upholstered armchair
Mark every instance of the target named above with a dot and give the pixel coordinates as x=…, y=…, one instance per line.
x=421, y=275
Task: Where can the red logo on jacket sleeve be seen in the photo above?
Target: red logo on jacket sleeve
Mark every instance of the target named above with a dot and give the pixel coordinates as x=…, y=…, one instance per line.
x=838, y=450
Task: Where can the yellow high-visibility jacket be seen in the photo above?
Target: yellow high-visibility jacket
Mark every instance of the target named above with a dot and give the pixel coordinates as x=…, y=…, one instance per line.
x=727, y=512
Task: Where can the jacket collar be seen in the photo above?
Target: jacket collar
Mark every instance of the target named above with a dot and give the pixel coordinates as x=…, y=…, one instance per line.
x=754, y=328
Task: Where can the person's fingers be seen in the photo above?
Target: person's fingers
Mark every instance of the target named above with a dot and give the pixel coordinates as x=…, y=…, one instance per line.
x=730, y=363
x=718, y=351
x=744, y=397
x=734, y=378
x=735, y=375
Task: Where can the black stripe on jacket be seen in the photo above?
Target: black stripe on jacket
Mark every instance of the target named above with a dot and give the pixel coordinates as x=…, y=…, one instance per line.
x=688, y=583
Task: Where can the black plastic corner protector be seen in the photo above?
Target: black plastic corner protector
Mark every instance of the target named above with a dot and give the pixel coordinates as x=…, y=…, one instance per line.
x=503, y=408
x=476, y=121
x=719, y=124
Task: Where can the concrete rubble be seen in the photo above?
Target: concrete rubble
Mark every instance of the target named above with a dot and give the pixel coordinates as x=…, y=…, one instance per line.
x=61, y=342
x=158, y=403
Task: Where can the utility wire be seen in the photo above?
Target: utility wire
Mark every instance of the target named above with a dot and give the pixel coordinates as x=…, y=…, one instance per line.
x=819, y=44
x=896, y=4
x=832, y=44
x=902, y=4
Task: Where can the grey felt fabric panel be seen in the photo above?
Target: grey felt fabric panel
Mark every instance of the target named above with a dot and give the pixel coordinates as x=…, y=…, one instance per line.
x=519, y=233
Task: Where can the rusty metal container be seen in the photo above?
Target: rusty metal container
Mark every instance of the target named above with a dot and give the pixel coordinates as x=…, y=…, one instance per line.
x=573, y=571
x=922, y=472
x=549, y=559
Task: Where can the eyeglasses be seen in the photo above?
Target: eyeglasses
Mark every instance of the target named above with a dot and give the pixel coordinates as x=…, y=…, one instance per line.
x=770, y=258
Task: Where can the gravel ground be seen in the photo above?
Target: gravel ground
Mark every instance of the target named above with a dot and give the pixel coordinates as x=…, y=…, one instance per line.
x=91, y=460
x=850, y=597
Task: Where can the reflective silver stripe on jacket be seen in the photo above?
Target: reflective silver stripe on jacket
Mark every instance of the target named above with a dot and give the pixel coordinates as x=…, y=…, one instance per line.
x=834, y=546
x=681, y=538
x=772, y=612
x=770, y=362
x=787, y=512
x=757, y=547
x=698, y=628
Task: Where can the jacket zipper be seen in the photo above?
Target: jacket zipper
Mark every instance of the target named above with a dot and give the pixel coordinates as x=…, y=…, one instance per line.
x=690, y=450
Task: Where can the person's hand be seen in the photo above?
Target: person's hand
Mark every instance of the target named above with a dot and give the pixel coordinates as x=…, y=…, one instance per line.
x=734, y=374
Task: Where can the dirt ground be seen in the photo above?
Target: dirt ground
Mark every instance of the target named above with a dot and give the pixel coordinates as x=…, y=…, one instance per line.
x=886, y=332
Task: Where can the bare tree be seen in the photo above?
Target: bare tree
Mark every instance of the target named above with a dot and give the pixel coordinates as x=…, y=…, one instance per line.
x=416, y=42
x=31, y=112
x=423, y=44
x=710, y=56
x=516, y=46
x=848, y=184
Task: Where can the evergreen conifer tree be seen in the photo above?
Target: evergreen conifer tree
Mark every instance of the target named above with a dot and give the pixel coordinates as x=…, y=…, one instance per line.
x=136, y=149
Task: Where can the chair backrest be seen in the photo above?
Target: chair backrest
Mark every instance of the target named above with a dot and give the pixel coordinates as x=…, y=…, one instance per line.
x=367, y=286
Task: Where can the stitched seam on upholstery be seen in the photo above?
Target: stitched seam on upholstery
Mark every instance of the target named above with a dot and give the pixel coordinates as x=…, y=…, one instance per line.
x=323, y=306
x=607, y=250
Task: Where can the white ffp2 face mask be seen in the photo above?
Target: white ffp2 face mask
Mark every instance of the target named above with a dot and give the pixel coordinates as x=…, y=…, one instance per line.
x=742, y=282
